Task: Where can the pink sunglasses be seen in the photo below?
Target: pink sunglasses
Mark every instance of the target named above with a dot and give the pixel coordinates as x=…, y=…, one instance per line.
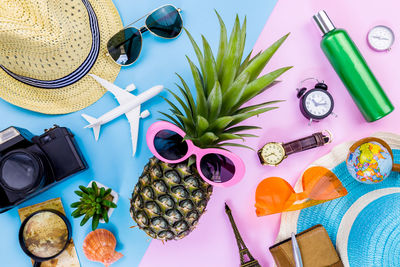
x=217, y=167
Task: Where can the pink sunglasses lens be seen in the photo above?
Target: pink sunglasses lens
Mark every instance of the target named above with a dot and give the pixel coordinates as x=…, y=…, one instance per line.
x=170, y=145
x=217, y=168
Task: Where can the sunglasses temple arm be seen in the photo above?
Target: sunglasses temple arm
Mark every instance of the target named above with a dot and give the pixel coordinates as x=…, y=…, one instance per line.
x=136, y=20
x=178, y=9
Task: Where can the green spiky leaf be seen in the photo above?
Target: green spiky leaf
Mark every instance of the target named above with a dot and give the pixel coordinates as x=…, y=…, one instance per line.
x=102, y=192
x=188, y=112
x=228, y=136
x=258, y=64
x=76, y=213
x=85, y=219
x=241, y=117
x=233, y=95
x=201, y=98
x=108, y=203
x=235, y=145
x=79, y=193
x=95, y=221
x=105, y=215
x=175, y=121
x=75, y=204
x=202, y=125
x=107, y=192
x=95, y=188
x=253, y=107
x=259, y=86
x=208, y=138
x=245, y=62
x=214, y=102
x=84, y=189
x=173, y=106
x=231, y=59
x=247, y=135
x=197, y=50
x=223, y=40
x=242, y=39
x=241, y=128
x=221, y=123
x=210, y=72
x=188, y=100
x=189, y=96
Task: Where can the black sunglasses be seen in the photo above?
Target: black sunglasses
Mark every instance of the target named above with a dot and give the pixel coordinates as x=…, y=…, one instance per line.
x=125, y=46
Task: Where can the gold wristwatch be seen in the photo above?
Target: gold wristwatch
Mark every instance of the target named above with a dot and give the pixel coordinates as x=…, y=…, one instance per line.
x=274, y=153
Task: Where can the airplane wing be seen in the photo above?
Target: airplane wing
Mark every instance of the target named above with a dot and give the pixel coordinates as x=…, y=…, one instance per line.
x=121, y=95
x=133, y=117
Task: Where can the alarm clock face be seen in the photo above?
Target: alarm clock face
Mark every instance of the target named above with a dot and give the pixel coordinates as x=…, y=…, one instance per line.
x=380, y=38
x=317, y=104
x=273, y=153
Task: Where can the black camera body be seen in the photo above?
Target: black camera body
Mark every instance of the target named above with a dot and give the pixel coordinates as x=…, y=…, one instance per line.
x=32, y=164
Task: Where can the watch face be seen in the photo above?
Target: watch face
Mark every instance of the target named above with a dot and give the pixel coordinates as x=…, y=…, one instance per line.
x=317, y=103
x=273, y=153
x=380, y=38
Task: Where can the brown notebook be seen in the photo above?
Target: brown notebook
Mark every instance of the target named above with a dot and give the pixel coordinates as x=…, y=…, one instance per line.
x=315, y=246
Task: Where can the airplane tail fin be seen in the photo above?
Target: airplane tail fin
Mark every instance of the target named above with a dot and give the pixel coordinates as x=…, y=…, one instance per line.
x=94, y=124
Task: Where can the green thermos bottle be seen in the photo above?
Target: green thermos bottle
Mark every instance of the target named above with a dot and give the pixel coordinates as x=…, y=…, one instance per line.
x=352, y=69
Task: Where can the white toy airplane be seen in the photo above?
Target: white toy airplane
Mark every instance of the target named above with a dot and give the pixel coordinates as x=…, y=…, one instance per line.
x=129, y=105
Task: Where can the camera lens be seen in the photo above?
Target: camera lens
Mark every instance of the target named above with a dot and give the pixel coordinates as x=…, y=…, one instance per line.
x=19, y=171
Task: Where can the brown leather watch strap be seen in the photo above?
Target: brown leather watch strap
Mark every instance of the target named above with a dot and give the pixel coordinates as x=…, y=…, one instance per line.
x=315, y=140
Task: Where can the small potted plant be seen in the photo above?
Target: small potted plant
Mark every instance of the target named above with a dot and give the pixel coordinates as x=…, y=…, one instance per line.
x=95, y=201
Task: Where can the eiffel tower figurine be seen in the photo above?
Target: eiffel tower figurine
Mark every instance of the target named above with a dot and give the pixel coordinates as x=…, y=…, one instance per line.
x=246, y=259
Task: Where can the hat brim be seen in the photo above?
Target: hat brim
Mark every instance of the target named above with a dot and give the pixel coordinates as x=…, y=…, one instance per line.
x=342, y=216
x=80, y=94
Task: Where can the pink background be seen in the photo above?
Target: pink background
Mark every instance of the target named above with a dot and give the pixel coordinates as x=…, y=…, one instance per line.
x=213, y=242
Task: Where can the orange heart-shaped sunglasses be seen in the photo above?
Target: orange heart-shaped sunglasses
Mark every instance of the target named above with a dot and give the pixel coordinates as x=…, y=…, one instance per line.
x=275, y=195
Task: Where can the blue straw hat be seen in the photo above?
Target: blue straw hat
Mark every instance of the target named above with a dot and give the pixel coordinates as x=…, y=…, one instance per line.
x=364, y=225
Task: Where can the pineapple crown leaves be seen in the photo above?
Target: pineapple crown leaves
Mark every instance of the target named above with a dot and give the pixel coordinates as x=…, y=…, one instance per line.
x=223, y=84
x=94, y=202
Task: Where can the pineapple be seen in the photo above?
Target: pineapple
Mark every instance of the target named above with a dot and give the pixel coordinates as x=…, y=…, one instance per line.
x=169, y=199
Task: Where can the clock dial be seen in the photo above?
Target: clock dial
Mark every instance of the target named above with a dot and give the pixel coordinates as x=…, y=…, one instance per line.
x=318, y=103
x=273, y=153
x=381, y=38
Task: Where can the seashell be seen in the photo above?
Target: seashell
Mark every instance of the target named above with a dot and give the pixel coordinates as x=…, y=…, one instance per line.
x=99, y=246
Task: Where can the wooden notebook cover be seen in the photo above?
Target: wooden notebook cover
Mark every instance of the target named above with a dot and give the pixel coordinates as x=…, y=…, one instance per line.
x=315, y=246
x=68, y=258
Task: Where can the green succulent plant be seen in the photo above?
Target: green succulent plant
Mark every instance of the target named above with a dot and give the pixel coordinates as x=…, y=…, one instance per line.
x=94, y=202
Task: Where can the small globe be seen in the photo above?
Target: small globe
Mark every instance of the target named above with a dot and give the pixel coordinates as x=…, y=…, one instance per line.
x=370, y=163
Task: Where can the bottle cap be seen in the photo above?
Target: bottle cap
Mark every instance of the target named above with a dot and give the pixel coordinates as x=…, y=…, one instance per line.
x=323, y=22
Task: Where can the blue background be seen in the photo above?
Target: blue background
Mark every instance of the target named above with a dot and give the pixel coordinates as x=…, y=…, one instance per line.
x=110, y=161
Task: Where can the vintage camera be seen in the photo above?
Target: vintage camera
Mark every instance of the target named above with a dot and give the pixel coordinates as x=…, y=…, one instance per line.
x=31, y=164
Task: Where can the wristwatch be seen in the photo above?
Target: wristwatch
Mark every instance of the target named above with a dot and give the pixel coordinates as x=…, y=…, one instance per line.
x=274, y=153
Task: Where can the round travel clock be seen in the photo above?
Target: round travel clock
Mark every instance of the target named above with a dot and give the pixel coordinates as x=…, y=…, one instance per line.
x=380, y=38
x=316, y=103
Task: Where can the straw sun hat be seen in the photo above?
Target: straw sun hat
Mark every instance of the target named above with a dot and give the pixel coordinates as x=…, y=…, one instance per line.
x=364, y=225
x=47, y=48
